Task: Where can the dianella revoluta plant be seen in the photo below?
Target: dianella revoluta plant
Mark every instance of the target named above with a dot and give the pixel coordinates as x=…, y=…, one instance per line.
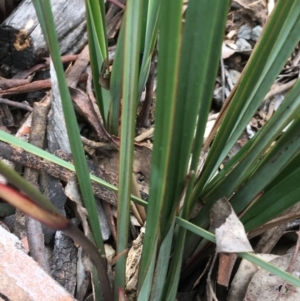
x=188, y=59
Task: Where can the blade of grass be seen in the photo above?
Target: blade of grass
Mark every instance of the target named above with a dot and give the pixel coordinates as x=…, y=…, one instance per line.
x=143, y=24
x=145, y=291
x=96, y=28
x=45, y=16
x=277, y=42
x=275, y=160
x=150, y=36
x=198, y=70
x=281, y=197
x=265, y=63
x=275, y=193
x=175, y=270
x=116, y=84
x=287, y=111
x=161, y=270
x=129, y=105
x=161, y=178
x=96, y=11
x=188, y=90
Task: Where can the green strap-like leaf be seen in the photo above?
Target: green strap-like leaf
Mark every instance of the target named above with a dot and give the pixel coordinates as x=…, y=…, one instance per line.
x=129, y=104
x=275, y=160
x=44, y=13
x=116, y=84
x=278, y=199
x=230, y=180
x=280, y=36
x=161, y=178
x=201, y=50
x=96, y=28
x=161, y=268
x=149, y=37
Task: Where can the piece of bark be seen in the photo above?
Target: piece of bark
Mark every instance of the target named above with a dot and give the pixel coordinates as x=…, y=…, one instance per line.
x=226, y=264
x=83, y=288
x=34, y=231
x=31, y=175
x=63, y=265
x=9, y=221
x=64, y=254
x=6, y=118
x=31, y=87
x=27, y=159
x=53, y=191
x=83, y=276
x=57, y=135
x=76, y=204
x=22, y=43
x=78, y=208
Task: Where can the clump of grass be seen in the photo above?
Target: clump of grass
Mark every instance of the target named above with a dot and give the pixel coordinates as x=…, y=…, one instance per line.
x=188, y=60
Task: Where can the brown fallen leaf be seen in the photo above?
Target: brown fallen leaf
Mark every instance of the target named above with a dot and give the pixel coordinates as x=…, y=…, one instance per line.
x=84, y=106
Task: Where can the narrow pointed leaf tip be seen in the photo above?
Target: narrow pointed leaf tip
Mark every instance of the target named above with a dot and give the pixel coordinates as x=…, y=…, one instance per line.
x=50, y=218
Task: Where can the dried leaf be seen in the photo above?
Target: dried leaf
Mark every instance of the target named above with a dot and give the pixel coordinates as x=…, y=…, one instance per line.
x=230, y=233
x=242, y=278
x=265, y=286
x=227, y=51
